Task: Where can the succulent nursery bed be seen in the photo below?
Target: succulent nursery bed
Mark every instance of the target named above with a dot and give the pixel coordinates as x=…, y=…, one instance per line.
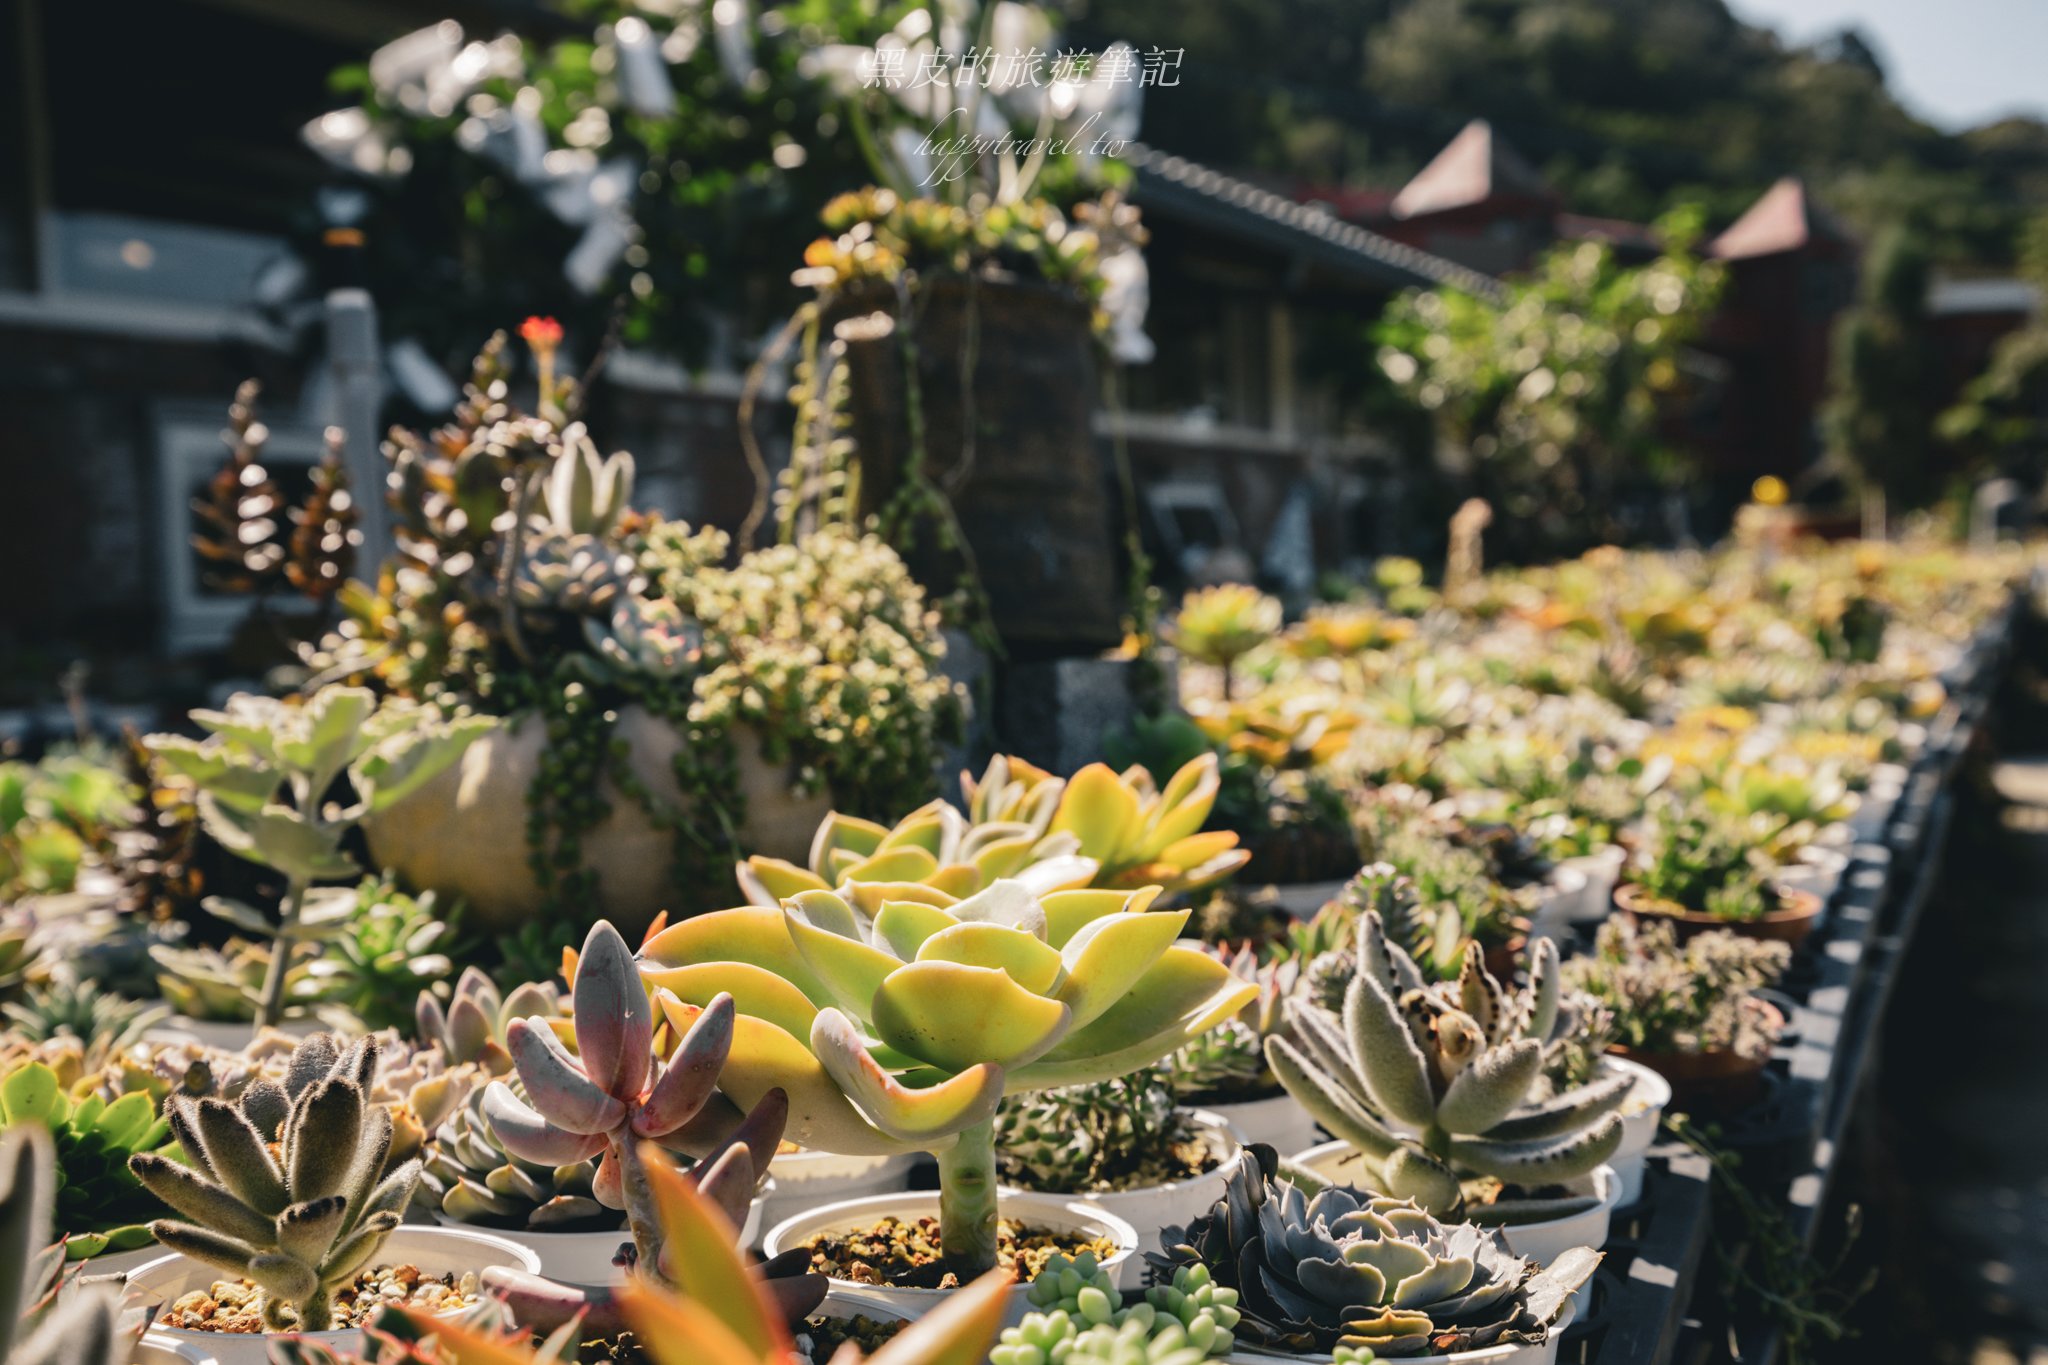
x=1331, y=1018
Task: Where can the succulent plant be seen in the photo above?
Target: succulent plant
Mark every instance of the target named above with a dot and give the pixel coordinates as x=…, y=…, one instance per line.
x=895, y=1020
x=1347, y=1270
x=1111, y=1134
x=1457, y=1065
x=471, y=1026
x=586, y=493
x=1228, y=1063
x=321, y=549
x=612, y=1094
x=242, y=516
x=99, y=1205
x=577, y=575
x=265, y=773
x=1099, y=828
x=288, y=1187
x=378, y=954
x=227, y=984
x=1221, y=625
x=45, y=1320
x=646, y=637
x=1082, y=1319
x=1665, y=998
x=469, y=1176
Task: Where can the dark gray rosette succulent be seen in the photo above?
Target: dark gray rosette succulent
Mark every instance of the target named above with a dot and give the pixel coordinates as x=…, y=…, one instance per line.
x=1348, y=1268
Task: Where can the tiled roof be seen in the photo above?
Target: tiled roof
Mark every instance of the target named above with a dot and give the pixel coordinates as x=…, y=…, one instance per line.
x=1181, y=188
x=1473, y=167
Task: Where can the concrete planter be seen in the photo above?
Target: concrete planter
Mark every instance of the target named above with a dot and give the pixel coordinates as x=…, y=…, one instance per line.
x=438, y=1251
x=1034, y=1210
x=463, y=833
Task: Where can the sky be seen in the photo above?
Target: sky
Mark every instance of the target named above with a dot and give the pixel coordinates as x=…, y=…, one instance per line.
x=1956, y=63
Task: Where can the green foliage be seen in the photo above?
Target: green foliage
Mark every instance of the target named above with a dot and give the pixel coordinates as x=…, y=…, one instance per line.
x=53, y=815
x=382, y=954
x=1879, y=417
x=1117, y=1134
x=1553, y=398
x=45, y=1319
x=100, y=1206
x=1081, y=1319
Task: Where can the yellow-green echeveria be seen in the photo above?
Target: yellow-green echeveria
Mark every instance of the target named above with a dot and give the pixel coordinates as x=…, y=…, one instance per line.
x=1102, y=828
x=896, y=1017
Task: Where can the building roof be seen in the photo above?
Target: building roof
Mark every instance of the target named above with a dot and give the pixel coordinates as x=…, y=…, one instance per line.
x=1179, y=188
x=1474, y=167
x=1786, y=218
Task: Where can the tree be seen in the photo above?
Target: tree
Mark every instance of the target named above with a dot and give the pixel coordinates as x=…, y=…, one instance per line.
x=1879, y=418
x=1999, y=424
x=1551, y=400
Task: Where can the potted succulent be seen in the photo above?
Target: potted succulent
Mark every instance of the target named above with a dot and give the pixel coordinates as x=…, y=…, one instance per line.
x=896, y=1017
x=1078, y=1315
x=291, y=1215
x=1435, y=1094
x=1225, y=1070
x=1123, y=1144
x=101, y=1209
x=1687, y=1011
x=651, y=709
x=1700, y=870
x=1345, y=1272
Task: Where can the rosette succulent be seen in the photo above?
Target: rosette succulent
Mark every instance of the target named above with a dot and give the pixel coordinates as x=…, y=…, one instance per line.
x=1099, y=828
x=470, y=1177
x=470, y=1028
x=1437, y=1084
x=645, y=637
x=99, y=1205
x=578, y=575
x=896, y=1017
x=1346, y=1270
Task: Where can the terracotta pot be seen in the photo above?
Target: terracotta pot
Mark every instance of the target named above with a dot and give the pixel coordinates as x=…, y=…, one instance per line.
x=1791, y=924
x=1707, y=1083
x=463, y=834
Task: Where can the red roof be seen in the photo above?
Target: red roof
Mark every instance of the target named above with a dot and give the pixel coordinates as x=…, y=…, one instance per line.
x=1473, y=168
x=1784, y=219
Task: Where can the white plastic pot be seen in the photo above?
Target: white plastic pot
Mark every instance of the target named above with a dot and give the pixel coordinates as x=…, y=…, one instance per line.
x=571, y=1257
x=1278, y=1121
x=1541, y=1353
x=1563, y=897
x=1032, y=1210
x=1640, y=1114
x=1601, y=870
x=808, y=1180
x=1543, y=1241
x=1301, y=900
x=1153, y=1208
x=437, y=1251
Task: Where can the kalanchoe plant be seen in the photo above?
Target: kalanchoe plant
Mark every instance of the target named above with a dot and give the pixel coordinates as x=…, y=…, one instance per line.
x=267, y=774
x=612, y=1094
x=1346, y=1270
x=45, y=1320
x=288, y=1187
x=1100, y=829
x=1457, y=1066
x=897, y=1019
x=98, y=1204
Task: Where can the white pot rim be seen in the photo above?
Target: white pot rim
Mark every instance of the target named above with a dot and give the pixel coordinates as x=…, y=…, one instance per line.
x=1606, y=1184
x=1019, y=1206
x=1650, y=1086
x=504, y=1247
x=1208, y=1121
